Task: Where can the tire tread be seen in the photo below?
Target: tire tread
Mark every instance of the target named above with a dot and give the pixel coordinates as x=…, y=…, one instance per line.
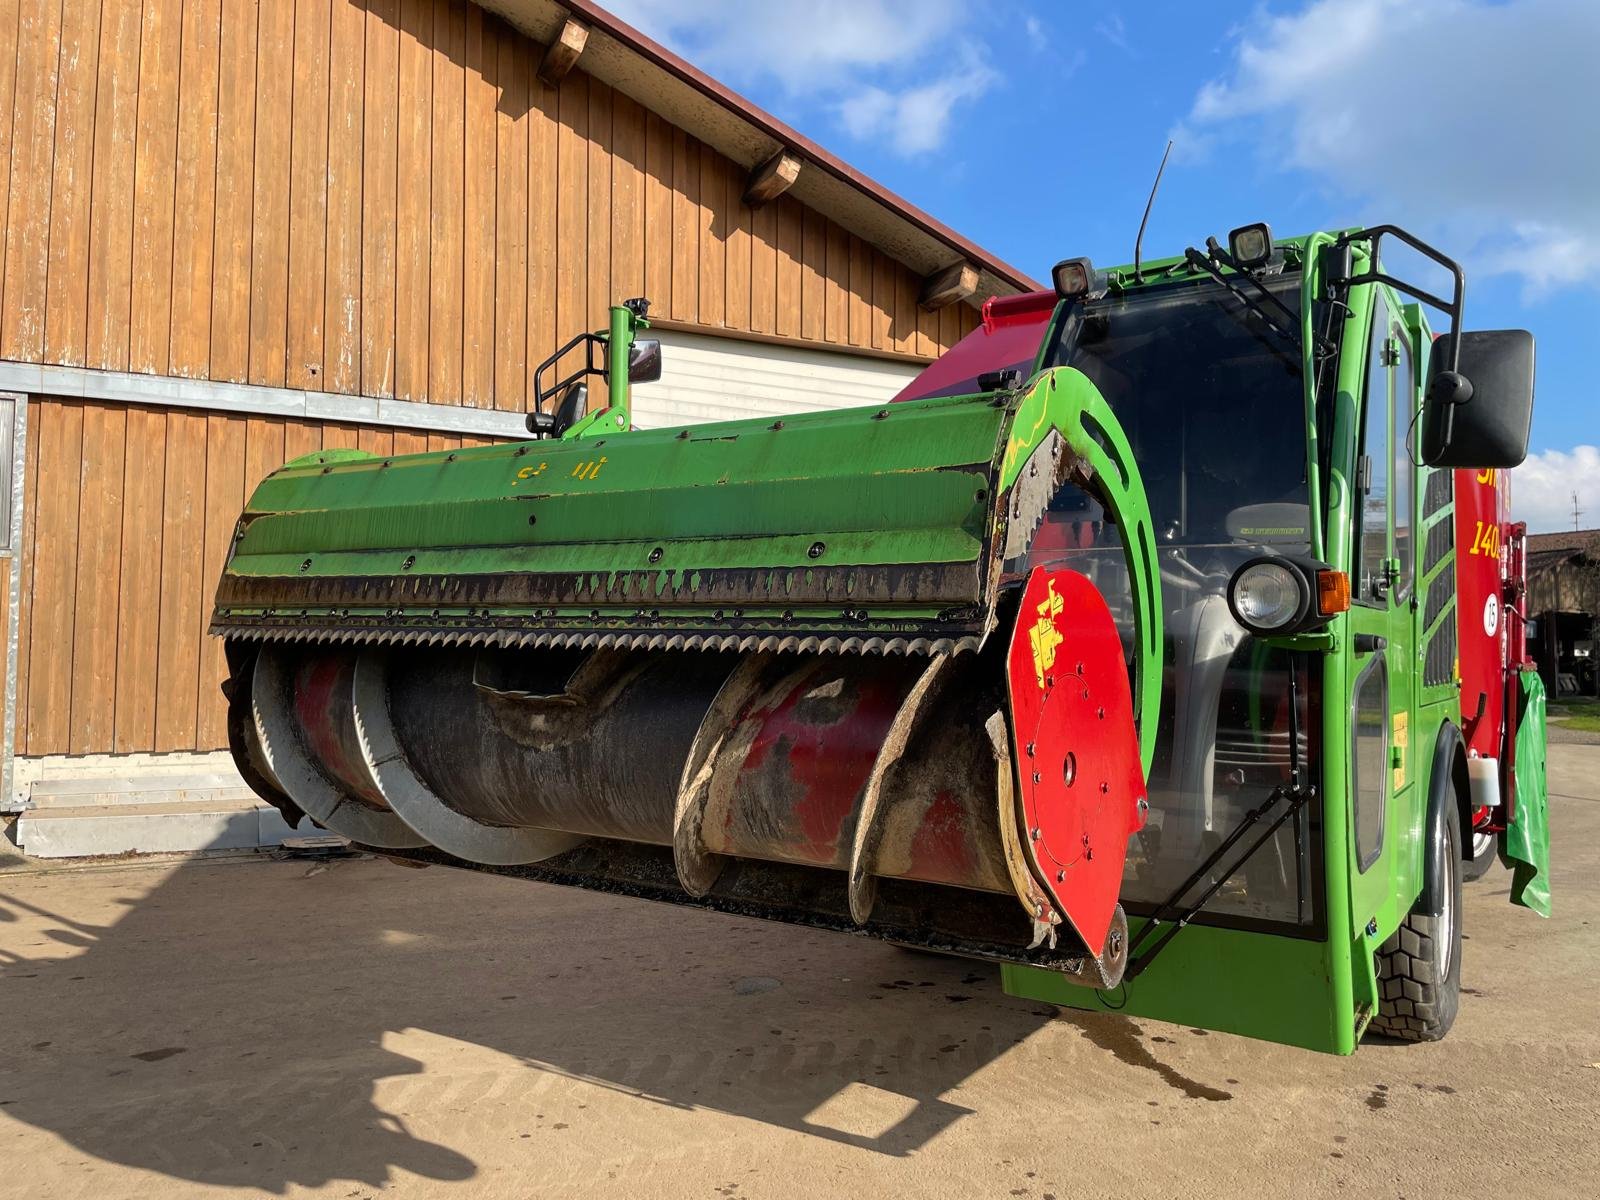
x=1412, y=1006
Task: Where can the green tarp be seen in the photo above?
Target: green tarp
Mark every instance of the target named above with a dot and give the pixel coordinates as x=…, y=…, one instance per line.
x=1527, y=839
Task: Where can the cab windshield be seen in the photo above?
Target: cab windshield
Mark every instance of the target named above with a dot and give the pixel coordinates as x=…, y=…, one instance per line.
x=1210, y=394
x=1211, y=397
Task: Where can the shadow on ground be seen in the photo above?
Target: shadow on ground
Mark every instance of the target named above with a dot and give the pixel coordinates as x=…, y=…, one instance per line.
x=237, y=1023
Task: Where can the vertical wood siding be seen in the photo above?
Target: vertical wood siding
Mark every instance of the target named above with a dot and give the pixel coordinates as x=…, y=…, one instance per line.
x=129, y=512
x=374, y=197
x=369, y=197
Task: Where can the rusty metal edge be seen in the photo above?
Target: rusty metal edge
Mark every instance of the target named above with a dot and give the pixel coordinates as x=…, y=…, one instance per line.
x=869, y=829
x=1030, y=890
x=697, y=865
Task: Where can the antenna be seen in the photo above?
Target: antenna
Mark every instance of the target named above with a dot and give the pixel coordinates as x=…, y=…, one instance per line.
x=1138, y=242
x=1576, y=512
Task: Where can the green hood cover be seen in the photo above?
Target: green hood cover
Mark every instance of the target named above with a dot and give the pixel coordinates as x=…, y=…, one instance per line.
x=1526, y=848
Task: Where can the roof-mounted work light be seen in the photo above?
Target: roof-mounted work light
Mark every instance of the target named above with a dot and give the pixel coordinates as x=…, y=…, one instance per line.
x=1251, y=245
x=1073, y=277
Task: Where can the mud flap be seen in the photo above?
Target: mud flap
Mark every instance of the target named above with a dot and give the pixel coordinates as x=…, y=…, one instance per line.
x=1526, y=841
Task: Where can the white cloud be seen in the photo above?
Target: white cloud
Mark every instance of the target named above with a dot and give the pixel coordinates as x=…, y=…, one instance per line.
x=1545, y=256
x=887, y=70
x=799, y=44
x=1112, y=28
x=1467, y=120
x=912, y=122
x=1542, y=489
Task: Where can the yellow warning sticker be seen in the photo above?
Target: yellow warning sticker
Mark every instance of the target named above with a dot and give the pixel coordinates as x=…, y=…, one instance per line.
x=1044, y=635
x=1402, y=740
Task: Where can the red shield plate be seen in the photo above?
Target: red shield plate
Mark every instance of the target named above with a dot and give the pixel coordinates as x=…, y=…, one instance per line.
x=1076, y=748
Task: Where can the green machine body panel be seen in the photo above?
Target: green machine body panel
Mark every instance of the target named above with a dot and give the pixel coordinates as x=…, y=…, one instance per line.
x=825, y=513
x=879, y=529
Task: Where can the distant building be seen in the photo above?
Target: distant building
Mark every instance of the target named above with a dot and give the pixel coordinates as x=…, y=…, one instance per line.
x=1563, y=598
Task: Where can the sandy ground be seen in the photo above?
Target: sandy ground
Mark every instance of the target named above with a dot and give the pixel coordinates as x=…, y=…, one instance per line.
x=356, y=1028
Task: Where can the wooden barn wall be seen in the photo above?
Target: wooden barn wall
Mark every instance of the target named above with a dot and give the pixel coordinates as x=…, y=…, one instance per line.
x=128, y=515
x=374, y=197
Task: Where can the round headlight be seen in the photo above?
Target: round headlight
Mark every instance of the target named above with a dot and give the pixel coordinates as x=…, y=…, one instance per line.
x=1267, y=596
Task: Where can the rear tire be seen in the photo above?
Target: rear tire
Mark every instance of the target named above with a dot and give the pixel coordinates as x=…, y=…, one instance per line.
x=1483, y=856
x=1419, y=968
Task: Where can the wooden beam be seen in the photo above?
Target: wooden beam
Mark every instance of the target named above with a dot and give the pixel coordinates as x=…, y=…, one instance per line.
x=772, y=178
x=562, y=54
x=957, y=282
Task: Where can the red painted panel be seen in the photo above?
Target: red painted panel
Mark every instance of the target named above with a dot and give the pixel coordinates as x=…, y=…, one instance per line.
x=1012, y=329
x=322, y=706
x=1077, y=750
x=811, y=755
x=1482, y=529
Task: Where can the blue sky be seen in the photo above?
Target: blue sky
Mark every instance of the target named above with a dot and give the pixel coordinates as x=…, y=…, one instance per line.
x=1035, y=130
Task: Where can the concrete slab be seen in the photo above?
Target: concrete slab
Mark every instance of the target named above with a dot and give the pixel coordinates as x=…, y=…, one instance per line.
x=339, y=1029
x=75, y=780
x=159, y=789
x=149, y=828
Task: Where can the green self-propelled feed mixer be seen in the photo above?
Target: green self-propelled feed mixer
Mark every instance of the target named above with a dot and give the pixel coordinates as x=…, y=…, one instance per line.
x=967, y=671
x=770, y=665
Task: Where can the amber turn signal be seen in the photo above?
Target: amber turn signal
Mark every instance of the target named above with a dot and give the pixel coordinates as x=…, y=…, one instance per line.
x=1333, y=593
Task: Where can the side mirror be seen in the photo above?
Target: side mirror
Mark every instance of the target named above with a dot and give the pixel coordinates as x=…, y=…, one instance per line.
x=644, y=361
x=570, y=408
x=1479, y=415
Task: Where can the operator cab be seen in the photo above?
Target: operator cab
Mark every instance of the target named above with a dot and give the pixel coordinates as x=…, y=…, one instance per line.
x=1210, y=393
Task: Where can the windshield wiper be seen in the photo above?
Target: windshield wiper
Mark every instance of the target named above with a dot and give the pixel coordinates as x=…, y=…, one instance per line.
x=1208, y=263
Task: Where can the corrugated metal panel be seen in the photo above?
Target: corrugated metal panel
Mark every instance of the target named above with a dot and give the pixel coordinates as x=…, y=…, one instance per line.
x=709, y=378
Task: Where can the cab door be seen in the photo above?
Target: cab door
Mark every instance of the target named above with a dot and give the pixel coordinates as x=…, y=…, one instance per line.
x=1383, y=601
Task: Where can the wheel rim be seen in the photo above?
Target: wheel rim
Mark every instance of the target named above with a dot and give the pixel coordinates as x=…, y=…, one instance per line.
x=1482, y=842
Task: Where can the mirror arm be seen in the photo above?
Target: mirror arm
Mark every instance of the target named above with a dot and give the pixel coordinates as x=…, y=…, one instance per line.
x=1449, y=389
x=627, y=319
x=1452, y=308
x=619, y=356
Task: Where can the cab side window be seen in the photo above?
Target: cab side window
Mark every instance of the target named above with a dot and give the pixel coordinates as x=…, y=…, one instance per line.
x=1401, y=439
x=1369, y=762
x=1375, y=461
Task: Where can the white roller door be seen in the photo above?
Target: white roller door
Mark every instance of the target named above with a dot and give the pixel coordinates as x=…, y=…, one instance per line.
x=710, y=378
